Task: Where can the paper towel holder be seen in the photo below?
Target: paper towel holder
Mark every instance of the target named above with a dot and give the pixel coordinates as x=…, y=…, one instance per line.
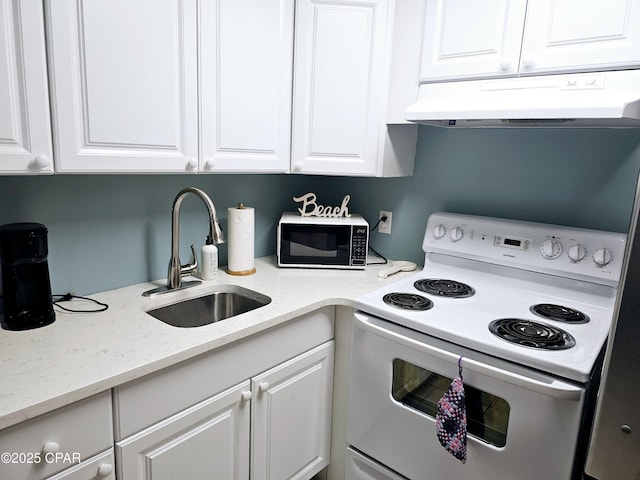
x=230, y=269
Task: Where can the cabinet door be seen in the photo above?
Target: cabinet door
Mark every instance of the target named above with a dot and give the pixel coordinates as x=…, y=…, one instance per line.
x=471, y=39
x=574, y=35
x=291, y=408
x=246, y=75
x=339, y=85
x=208, y=440
x=25, y=132
x=124, y=85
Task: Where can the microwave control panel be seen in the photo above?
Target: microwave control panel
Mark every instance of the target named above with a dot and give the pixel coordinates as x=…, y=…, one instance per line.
x=359, y=240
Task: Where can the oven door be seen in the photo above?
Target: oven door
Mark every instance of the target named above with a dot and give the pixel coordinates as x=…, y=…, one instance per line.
x=522, y=424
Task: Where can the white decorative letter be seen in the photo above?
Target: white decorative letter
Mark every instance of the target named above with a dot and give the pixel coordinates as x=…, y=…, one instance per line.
x=311, y=209
x=308, y=199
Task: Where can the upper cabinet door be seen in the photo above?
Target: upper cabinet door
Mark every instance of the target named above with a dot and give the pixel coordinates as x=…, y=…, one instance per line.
x=25, y=131
x=581, y=35
x=124, y=91
x=246, y=76
x=471, y=39
x=339, y=81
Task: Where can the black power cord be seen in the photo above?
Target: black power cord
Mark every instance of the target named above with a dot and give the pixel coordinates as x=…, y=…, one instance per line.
x=385, y=261
x=69, y=296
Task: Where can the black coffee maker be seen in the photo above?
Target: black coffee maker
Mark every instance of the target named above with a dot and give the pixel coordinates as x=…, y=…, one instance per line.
x=26, y=289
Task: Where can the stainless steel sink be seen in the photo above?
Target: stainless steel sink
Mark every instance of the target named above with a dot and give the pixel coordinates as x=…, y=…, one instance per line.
x=225, y=302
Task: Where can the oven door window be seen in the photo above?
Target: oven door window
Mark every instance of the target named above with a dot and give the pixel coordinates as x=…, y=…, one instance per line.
x=420, y=389
x=315, y=245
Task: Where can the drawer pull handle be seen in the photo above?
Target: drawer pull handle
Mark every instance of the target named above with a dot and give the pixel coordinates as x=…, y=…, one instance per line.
x=263, y=386
x=246, y=396
x=51, y=447
x=105, y=470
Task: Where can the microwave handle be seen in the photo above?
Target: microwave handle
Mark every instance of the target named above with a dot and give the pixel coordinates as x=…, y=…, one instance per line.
x=554, y=388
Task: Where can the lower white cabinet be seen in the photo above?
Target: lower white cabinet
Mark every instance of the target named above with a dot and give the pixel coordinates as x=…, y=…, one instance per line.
x=259, y=408
x=208, y=440
x=72, y=443
x=275, y=425
x=291, y=417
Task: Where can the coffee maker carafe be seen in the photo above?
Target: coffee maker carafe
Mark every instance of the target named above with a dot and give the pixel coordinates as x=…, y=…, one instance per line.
x=26, y=289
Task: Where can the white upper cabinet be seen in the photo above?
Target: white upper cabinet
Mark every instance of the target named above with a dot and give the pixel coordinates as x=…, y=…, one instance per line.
x=469, y=39
x=342, y=71
x=339, y=80
x=246, y=75
x=581, y=35
x=213, y=86
x=124, y=87
x=25, y=130
x=172, y=85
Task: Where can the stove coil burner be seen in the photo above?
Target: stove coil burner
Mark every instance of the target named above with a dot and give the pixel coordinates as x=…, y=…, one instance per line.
x=408, y=301
x=559, y=313
x=444, y=288
x=531, y=334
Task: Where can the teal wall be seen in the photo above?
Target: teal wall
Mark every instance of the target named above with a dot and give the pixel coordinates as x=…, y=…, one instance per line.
x=579, y=177
x=109, y=231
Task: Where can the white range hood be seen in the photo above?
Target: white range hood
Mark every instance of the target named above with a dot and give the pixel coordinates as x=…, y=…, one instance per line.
x=598, y=99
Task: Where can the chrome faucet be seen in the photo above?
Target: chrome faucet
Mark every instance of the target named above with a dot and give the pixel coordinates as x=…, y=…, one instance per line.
x=176, y=270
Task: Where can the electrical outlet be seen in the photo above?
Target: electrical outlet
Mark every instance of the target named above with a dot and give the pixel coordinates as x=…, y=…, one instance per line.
x=384, y=226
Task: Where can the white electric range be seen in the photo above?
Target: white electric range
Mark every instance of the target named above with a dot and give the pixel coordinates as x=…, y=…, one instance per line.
x=525, y=309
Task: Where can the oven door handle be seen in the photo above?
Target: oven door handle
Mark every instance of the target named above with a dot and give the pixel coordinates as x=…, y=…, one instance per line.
x=553, y=388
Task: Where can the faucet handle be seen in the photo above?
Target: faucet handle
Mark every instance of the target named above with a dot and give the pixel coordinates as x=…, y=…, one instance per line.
x=190, y=268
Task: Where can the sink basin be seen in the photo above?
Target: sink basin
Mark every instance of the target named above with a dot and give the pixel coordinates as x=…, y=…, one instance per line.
x=225, y=302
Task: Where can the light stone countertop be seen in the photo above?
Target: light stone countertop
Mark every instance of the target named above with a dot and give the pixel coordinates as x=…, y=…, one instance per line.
x=80, y=354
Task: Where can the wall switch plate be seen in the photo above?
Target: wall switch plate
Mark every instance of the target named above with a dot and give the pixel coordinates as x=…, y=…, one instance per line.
x=384, y=226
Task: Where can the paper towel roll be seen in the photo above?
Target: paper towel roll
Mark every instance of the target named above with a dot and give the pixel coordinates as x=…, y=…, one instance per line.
x=241, y=239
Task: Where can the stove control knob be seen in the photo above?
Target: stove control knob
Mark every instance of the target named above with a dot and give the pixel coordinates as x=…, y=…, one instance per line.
x=602, y=257
x=551, y=249
x=456, y=234
x=439, y=231
x=576, y=252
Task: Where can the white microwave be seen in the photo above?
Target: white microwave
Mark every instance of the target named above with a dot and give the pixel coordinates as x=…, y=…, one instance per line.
x=322, y=242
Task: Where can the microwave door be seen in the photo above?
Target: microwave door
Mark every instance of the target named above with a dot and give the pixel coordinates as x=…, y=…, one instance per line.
x=313, y=245
x=322, y=245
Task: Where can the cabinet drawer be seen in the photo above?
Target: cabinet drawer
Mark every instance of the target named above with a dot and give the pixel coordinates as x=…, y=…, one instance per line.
x=56, y=441
x=146, y=401
x=100, y=467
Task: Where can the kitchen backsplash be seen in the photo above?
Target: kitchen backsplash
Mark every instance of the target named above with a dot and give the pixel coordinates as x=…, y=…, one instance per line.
x=577, y=177
x=109, y=231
